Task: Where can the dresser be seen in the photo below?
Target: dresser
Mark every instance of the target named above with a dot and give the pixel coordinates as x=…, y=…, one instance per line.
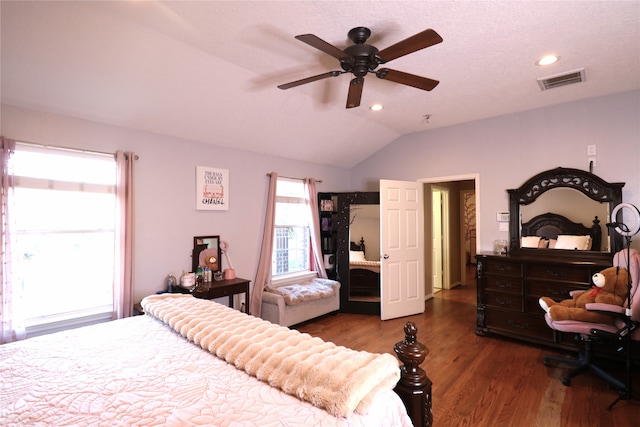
x=509, y=287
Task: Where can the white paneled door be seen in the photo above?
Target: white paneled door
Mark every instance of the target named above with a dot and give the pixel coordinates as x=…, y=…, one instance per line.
x=402, y=249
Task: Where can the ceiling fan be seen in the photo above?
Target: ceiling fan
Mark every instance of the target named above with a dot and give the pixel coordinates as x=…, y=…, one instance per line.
x=360, y=59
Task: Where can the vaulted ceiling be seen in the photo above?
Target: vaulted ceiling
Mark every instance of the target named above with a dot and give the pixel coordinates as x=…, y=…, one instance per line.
x=208, y=70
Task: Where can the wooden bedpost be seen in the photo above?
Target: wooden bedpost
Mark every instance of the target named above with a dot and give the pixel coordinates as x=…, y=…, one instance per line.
x=414, y=387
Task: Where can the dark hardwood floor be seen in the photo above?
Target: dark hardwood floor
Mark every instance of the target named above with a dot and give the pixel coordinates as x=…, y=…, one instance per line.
x=484, y=381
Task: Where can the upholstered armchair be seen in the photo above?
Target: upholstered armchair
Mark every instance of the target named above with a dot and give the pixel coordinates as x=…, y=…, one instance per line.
x=624, y=330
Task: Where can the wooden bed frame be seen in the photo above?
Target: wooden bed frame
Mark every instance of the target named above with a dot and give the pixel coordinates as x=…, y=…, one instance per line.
x=550, y=225
x=357, y=246
x=361, y=279
x=414, y=387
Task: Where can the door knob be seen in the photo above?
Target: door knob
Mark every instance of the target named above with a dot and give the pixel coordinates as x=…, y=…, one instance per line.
x=385, y=256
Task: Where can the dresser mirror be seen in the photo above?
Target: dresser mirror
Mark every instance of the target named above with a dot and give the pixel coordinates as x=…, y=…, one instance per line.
x=571, y=204
x=565, y=200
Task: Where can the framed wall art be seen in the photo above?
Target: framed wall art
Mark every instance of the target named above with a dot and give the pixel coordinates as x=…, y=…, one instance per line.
x=212, y=189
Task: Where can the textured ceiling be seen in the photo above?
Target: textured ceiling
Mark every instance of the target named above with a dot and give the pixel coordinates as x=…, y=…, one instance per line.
x=208, y=70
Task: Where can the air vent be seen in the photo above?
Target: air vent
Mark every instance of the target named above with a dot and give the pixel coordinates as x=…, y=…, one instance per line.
x=568, y=78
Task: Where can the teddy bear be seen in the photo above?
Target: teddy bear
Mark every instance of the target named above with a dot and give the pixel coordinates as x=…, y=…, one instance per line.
x=611, y=287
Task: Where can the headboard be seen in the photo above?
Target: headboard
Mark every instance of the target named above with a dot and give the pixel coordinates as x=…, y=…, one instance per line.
x=353, y=246
x=550, y=225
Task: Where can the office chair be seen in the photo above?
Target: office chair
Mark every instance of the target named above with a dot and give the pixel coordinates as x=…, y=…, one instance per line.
x=622, y=332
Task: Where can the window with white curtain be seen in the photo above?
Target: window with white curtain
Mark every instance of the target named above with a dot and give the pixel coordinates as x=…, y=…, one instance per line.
x=291, y=239
x=65, y=214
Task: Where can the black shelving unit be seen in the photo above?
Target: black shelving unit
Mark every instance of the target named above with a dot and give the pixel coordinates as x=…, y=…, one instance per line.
x=327, y=207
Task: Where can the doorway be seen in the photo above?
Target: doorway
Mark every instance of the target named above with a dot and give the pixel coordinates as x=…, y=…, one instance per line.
x=460, y=228
x=440, y=236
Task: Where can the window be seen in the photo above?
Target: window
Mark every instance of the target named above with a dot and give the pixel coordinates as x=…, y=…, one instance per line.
x=64, y=210
x=291, y=240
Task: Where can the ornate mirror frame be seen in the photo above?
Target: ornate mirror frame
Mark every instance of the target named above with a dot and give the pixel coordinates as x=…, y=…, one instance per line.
x=587, y=183
x=342, y=223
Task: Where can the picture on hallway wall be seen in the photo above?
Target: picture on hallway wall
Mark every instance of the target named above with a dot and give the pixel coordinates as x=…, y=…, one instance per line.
x=212, y=189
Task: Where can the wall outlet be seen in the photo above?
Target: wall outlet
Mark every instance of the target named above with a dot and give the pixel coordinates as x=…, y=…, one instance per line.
x=591, y=150
x=503, y=226
x=591, y=161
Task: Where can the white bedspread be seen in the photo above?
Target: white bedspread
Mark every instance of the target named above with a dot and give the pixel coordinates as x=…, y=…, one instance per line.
x=335, y=378
x=138, y=371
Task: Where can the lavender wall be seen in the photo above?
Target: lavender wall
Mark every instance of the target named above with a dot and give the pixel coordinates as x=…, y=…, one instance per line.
x=505, y=151
x=166, y=218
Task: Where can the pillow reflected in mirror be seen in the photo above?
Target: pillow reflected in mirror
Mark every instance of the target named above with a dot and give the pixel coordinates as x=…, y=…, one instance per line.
x=356, y=256
x=531, y=242
x=581, y=243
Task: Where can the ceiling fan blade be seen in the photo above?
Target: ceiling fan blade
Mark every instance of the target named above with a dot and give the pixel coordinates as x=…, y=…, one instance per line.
x=355, y=92
x=416, y=42
x=310, y=79
x=322, y=45
x=407, y=79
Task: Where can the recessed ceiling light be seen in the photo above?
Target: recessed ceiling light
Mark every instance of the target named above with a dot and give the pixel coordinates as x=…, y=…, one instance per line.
x=376, y=107
x=548, y=60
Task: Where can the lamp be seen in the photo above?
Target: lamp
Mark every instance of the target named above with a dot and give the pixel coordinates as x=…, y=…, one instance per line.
x=625, y=333
x=626, y=319
x=229, y=273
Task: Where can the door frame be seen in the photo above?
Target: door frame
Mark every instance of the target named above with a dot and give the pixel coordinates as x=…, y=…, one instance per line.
x=444, y=236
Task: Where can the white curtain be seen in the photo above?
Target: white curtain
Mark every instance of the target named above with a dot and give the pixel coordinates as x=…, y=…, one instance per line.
x=123, y=278
x=311, y=201
x=263, y=275
x=11, y=314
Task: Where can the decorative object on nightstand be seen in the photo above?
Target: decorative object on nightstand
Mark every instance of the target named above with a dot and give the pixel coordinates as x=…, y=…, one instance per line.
x=206, y=252
x=170, y=283
x=138, y=310
x=229, y=273
x=187, y=281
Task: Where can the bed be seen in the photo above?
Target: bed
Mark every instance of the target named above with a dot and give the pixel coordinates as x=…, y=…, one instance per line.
x=553, y=231
x=190, y=361
x=364, y=274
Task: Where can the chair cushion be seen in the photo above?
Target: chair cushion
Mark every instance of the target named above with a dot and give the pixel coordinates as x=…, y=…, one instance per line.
x=297, y=293
x=577, y=327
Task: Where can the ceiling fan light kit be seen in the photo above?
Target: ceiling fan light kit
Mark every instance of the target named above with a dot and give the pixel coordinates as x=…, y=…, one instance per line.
x=361, y=59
